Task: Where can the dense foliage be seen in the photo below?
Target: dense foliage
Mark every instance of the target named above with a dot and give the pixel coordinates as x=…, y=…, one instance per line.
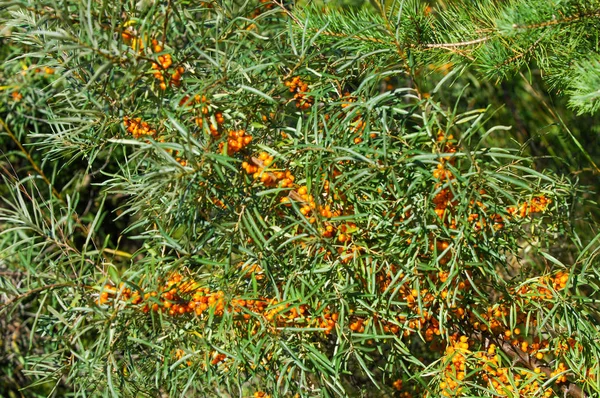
x=264, y=199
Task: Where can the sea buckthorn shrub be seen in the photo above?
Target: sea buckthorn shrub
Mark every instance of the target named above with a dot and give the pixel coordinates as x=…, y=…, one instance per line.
x=232, y=211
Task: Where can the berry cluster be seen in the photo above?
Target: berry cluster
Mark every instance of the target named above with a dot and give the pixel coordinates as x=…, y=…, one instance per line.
x=174, y=298
x=263, y=169
x=164, y=62
x=444, y=199
x=306, y=200
x=284, y=314
x=538, y=204
x=205, y=112
x=178, y=297
x=217, y=357
x=448, y=148
x=236, y=141
x=543, y=290
x=422, y=304
x=123, y=293
x=299, y=88
x=252, y=270
x=358, y=324
x=455, y=371
x=499, y=378
x=560, y=279
x=179, y=158
x=260, y=169
x=137, y=127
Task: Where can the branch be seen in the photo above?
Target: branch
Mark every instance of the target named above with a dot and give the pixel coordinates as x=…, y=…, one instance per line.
x=30, y=159
x=40, y=289
x=288, y=13
x=574, y=18
x=458, y=44
x=532, y=362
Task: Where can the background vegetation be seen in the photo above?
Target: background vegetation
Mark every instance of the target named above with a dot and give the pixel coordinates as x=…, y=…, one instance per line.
x=262, y=198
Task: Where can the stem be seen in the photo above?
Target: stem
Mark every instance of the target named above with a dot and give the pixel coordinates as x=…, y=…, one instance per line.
x=40, y=289
x=30, y=159
x=459, y=44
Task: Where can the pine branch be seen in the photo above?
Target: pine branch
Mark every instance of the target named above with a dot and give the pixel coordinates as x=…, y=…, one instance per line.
x=505, y=37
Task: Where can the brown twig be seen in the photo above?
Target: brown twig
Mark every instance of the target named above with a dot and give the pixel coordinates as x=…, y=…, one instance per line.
x=38, y=290
x=30, y=159
x=458, y=44
x=388, y=27
x=288, y=13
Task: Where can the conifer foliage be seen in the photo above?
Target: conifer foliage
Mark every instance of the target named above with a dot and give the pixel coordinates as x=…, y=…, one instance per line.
x=256, y=199
x=497, y=38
